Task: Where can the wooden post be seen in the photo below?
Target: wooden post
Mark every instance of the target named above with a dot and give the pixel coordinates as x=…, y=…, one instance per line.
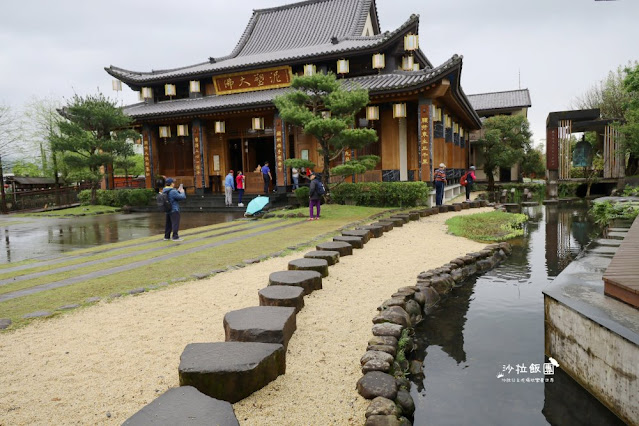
x=425, y=132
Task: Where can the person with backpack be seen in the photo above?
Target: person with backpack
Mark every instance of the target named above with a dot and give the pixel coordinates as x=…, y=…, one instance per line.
x=229, y=186
x=470, y=179
x=172, y=222
x=315, y=192
x=440, y=182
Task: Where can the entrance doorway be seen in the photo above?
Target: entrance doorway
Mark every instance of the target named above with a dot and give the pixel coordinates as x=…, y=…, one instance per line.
x=235, y=155
x=261, y=150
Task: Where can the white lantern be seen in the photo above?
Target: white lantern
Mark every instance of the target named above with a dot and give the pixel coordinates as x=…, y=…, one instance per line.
x=399, y=110
x=461, y=132
x=379, y=61
x=258, y=123
x=117, y=85
x=411, y=42
x=220, y=127
x=194, y=86
x=407, y=63
x=372, y=113
x=342, y=66
x=183, y=130
x=309, y=69
x=147, y=93
x=169, y=89
x=438, y=114
x=165, y=131
x=455, y=127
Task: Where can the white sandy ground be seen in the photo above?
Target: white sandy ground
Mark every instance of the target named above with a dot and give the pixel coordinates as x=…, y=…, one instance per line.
x=101, y=364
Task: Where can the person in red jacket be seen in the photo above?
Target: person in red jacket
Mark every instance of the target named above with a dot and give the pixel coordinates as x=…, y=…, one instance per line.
x=239, y=185
x=470, y=179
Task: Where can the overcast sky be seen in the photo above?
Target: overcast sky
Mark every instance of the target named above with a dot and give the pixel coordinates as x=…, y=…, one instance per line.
x=560, y=47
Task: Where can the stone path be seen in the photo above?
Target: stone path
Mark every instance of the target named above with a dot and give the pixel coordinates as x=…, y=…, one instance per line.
x=141, y=263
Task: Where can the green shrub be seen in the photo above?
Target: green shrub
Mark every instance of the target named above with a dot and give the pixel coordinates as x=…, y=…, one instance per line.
x=381, y=194
x=302, y=195
x=118, y=197
x=605, y=212
x=568, y=189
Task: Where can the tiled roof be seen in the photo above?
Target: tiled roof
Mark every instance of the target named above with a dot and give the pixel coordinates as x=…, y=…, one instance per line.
x=286, y=33
x=500, y=100
x=377, y=83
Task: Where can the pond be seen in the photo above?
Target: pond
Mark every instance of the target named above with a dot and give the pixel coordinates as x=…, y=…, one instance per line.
x=31, y=237
x=492, y=329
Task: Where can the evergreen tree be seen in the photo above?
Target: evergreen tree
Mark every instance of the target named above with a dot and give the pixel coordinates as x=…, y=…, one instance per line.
x=94, y=133
x=307, y=105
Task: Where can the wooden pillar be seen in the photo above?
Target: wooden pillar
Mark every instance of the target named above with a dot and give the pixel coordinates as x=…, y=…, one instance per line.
x=425, y=132
x=148, y=163
x=198, y=161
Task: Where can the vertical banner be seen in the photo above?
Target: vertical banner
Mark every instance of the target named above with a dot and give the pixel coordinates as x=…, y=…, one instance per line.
x=279, y=152
x=197, y=156
x=146, y=146
x=552, y=149
x=424, y=139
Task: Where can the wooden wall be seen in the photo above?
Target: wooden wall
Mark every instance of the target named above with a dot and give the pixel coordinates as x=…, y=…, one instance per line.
x=389, y=138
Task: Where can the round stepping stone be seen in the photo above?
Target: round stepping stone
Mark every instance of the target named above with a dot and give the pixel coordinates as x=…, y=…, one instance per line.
x=355, y=242
x=465, y=205
x=422, y=212
x=402, y=216
x=397, y=222
x=484, y=203
x=457, y=207
x=184, y=405
x=364, y=233
x=264, y=324
x=343, y=248
x=434, y=210
x=318, y=265
x=413, y=215
x=376, y=230
x=386, y=226
x=308, y=280
x=475, y=204
x=282, y=295
x=443, y=209
x=231, y=371
x=332, y=257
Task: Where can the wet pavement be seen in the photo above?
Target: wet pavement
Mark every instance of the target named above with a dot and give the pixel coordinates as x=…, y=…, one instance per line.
x=26, y=238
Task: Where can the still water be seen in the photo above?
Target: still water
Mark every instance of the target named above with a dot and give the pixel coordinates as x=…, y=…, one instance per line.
x=496, y=322
x=30, y=238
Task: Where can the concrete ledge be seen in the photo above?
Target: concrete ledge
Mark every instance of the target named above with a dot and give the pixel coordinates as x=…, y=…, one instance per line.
x=231, y=371
x=184, y=405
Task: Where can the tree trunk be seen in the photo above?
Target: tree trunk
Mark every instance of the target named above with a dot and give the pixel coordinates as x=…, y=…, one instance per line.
x=326, y=174
x=491, y=181
x=3, y=197
x=56, y=179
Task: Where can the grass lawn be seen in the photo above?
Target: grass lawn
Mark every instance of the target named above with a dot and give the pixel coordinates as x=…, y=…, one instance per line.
x=491, y=226
x=186, y=258
x=73, y=211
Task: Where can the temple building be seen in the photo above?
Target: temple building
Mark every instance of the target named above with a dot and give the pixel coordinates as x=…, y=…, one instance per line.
x=199, y=121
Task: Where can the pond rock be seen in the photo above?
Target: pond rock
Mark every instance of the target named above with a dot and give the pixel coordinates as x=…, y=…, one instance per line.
x=381, y=406
x=395, y=301
x=414, y=311
x=405, y=401
x=376, y=365
x=382, y=340
x=379, y=355
x=394, y=315
x=379, y=420
x=376, y=384
x=387, y=329
x=389, y=349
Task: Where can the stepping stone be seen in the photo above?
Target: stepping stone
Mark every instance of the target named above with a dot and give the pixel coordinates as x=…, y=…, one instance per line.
x=343, y=248
x=332, y=257
x=386, y=225
x=443, y=209
x=93, y=299
x=465, y=205
x=365, y=234
x=457, y=207
x=282, y=295
x=475, y=204
x=414, y=215
x=376, y=230
x=451, y=208
x=402, y=216
x=355, y=242
x=422, y=212
x=434, y=210
x=4, y=323
x=67, y=307
x=264, y=324
x=231, y=371
x=184, y=405
x=308, y=280
x=318, y=265
x=37, y=314
x=397, y=222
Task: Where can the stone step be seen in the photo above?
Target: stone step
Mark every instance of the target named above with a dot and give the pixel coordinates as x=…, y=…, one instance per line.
x=282, y=295
x=343, y=248
x=397, y=222
x=264, y=324
x=386, y=225
x=231, y=371
x=363, y=233
x=318, y=265
x=307, y=280
x=443, y=209
x=184, y=405
x=355, y=242
x=375, y=230
x=332, y=257
x=402, y=216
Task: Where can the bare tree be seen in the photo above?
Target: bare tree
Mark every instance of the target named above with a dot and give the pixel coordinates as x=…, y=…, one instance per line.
x=9, y=138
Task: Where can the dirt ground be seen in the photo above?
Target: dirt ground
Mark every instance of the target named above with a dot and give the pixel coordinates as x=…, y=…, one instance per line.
x=103, y=363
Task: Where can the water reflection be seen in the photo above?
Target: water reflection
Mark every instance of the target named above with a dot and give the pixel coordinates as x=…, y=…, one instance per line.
x=28, y=238
x=495, y=321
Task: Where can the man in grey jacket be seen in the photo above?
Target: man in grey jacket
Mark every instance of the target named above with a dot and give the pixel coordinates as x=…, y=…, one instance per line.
x=172, y=222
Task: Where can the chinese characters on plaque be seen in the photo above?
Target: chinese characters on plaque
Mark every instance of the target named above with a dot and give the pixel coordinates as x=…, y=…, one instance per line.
x=147, y=157
x=270, y=78
x=424, y=129
x=279, y=150
x=196, y=157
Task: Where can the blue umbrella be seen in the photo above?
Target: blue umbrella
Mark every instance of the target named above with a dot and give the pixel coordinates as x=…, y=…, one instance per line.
x=256, y=205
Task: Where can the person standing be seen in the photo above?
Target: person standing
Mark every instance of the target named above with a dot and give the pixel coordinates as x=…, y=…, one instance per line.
x=172, y=222
x=266, y=175
x=239, y=185
x=470, y=179
x=229, y=186
x=295, y=174
x=315, y=196
x=440, y=182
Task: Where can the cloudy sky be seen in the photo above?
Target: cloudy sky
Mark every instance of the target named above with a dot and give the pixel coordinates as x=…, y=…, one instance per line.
x=555, y=48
